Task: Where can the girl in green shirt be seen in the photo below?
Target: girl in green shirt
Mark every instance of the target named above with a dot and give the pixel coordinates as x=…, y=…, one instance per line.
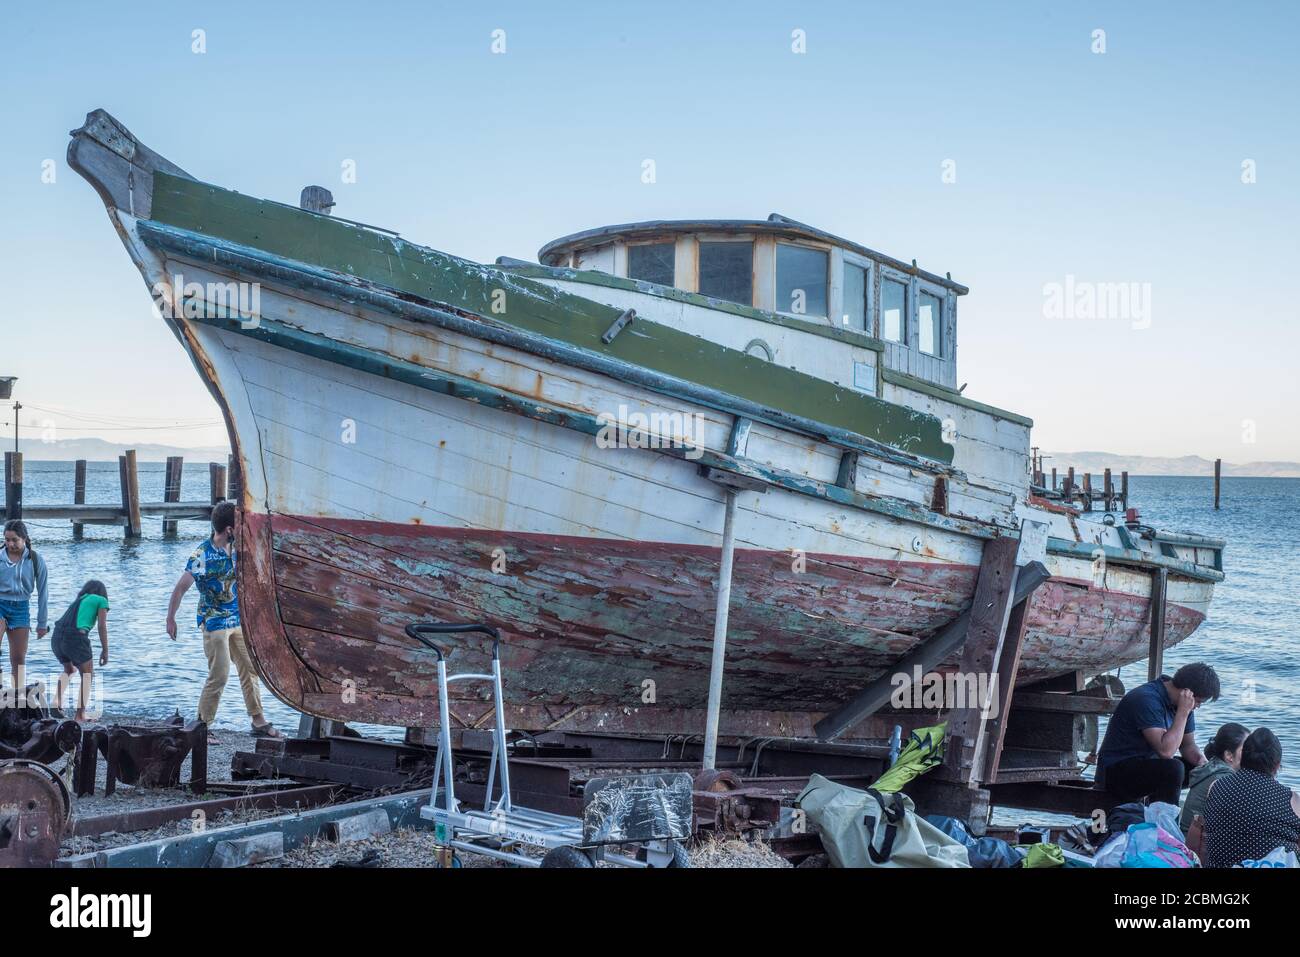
x=71, y=640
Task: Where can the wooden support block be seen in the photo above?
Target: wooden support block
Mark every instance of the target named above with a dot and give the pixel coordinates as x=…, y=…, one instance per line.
x=242, y=851
x=78, y=494
x=1069, y=683
x=1007, y=667
x=1074, y=800
x=1069, y=703
x=990, y=612
x=358, y=827
x=1048, y=730
x=1156, y=650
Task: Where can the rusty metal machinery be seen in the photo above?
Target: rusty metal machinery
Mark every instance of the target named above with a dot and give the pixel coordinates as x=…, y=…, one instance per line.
x=33, y=730
x=34, y=811
x=149, y=757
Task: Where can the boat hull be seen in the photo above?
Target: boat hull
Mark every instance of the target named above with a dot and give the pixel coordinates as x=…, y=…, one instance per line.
x=419, y=438
x=371, y=503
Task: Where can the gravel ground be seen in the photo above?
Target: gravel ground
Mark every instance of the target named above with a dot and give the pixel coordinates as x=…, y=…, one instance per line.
x=415, y=847
x=405, y=847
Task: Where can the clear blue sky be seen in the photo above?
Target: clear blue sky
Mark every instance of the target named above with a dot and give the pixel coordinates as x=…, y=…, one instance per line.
x=1117, y=167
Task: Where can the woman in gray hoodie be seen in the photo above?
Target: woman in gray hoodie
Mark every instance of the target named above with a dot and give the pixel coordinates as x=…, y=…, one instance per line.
x=22, y=572
x=1224, y=754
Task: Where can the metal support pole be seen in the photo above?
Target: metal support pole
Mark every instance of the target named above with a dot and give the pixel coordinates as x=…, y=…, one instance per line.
x=720, y=633
x=499, y=742
x=444, y=762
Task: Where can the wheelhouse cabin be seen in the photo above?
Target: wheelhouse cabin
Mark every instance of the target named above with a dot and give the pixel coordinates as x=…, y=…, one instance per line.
x=800, y=297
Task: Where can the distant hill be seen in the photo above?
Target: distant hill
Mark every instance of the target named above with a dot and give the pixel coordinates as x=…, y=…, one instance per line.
x=1194, y=465
x=99, y=450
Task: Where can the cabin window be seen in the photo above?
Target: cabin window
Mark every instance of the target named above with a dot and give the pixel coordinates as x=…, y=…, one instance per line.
x=893, y=310
x=801, y=283
x=727, y=271
x=651, y=262
x=929, y=312
x=855, y=298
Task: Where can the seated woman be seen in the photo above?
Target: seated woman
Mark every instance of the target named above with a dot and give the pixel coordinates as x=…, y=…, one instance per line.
x=1249, y=813
x=1223, y=756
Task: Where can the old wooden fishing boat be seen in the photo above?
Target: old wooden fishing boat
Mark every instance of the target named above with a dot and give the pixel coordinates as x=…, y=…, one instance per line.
x=423, y=437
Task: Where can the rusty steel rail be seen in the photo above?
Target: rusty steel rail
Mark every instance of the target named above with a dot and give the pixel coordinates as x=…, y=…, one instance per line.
x=145, y=819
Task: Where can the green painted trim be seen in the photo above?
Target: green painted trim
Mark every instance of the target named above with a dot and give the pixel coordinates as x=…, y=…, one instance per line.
x=595, y=277
x=492, y=294
x=905, y=381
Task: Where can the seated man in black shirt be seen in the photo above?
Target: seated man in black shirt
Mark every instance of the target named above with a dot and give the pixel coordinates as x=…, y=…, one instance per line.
x=1149, y=744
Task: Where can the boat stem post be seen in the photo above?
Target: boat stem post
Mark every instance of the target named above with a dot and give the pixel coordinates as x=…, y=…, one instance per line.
x=720, y=632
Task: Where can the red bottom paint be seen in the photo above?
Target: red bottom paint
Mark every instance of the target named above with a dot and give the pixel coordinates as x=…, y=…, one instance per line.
x=608, y=635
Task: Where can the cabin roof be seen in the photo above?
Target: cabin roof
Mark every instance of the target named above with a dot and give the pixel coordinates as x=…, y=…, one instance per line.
x=553, y=253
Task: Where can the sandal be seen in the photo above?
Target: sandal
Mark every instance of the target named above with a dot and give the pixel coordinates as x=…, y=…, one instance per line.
x=265, y=731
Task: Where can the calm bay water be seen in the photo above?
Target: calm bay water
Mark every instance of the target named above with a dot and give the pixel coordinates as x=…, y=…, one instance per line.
x=1250, y=637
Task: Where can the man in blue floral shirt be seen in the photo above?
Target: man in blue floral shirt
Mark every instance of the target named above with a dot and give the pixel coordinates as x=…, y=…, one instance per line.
x=212, y=568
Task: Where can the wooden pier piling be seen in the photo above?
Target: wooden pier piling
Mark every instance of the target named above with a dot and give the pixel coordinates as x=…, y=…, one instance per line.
x=130, y=480
x=1087, y=491
x=1108, y=491
x=13, y=485
x=1123, y=490
x=78, y=494
x=1068, y=489
x=172, y=490
x=1053, y=478
x=1218, y=472
x=216, y=482
x=234, y=481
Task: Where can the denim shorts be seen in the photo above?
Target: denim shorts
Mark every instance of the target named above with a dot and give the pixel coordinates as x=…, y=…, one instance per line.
x=17, y=614
x=72, y=647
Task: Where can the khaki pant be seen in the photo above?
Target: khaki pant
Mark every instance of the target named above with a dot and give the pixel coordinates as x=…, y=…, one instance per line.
x=221, y=646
